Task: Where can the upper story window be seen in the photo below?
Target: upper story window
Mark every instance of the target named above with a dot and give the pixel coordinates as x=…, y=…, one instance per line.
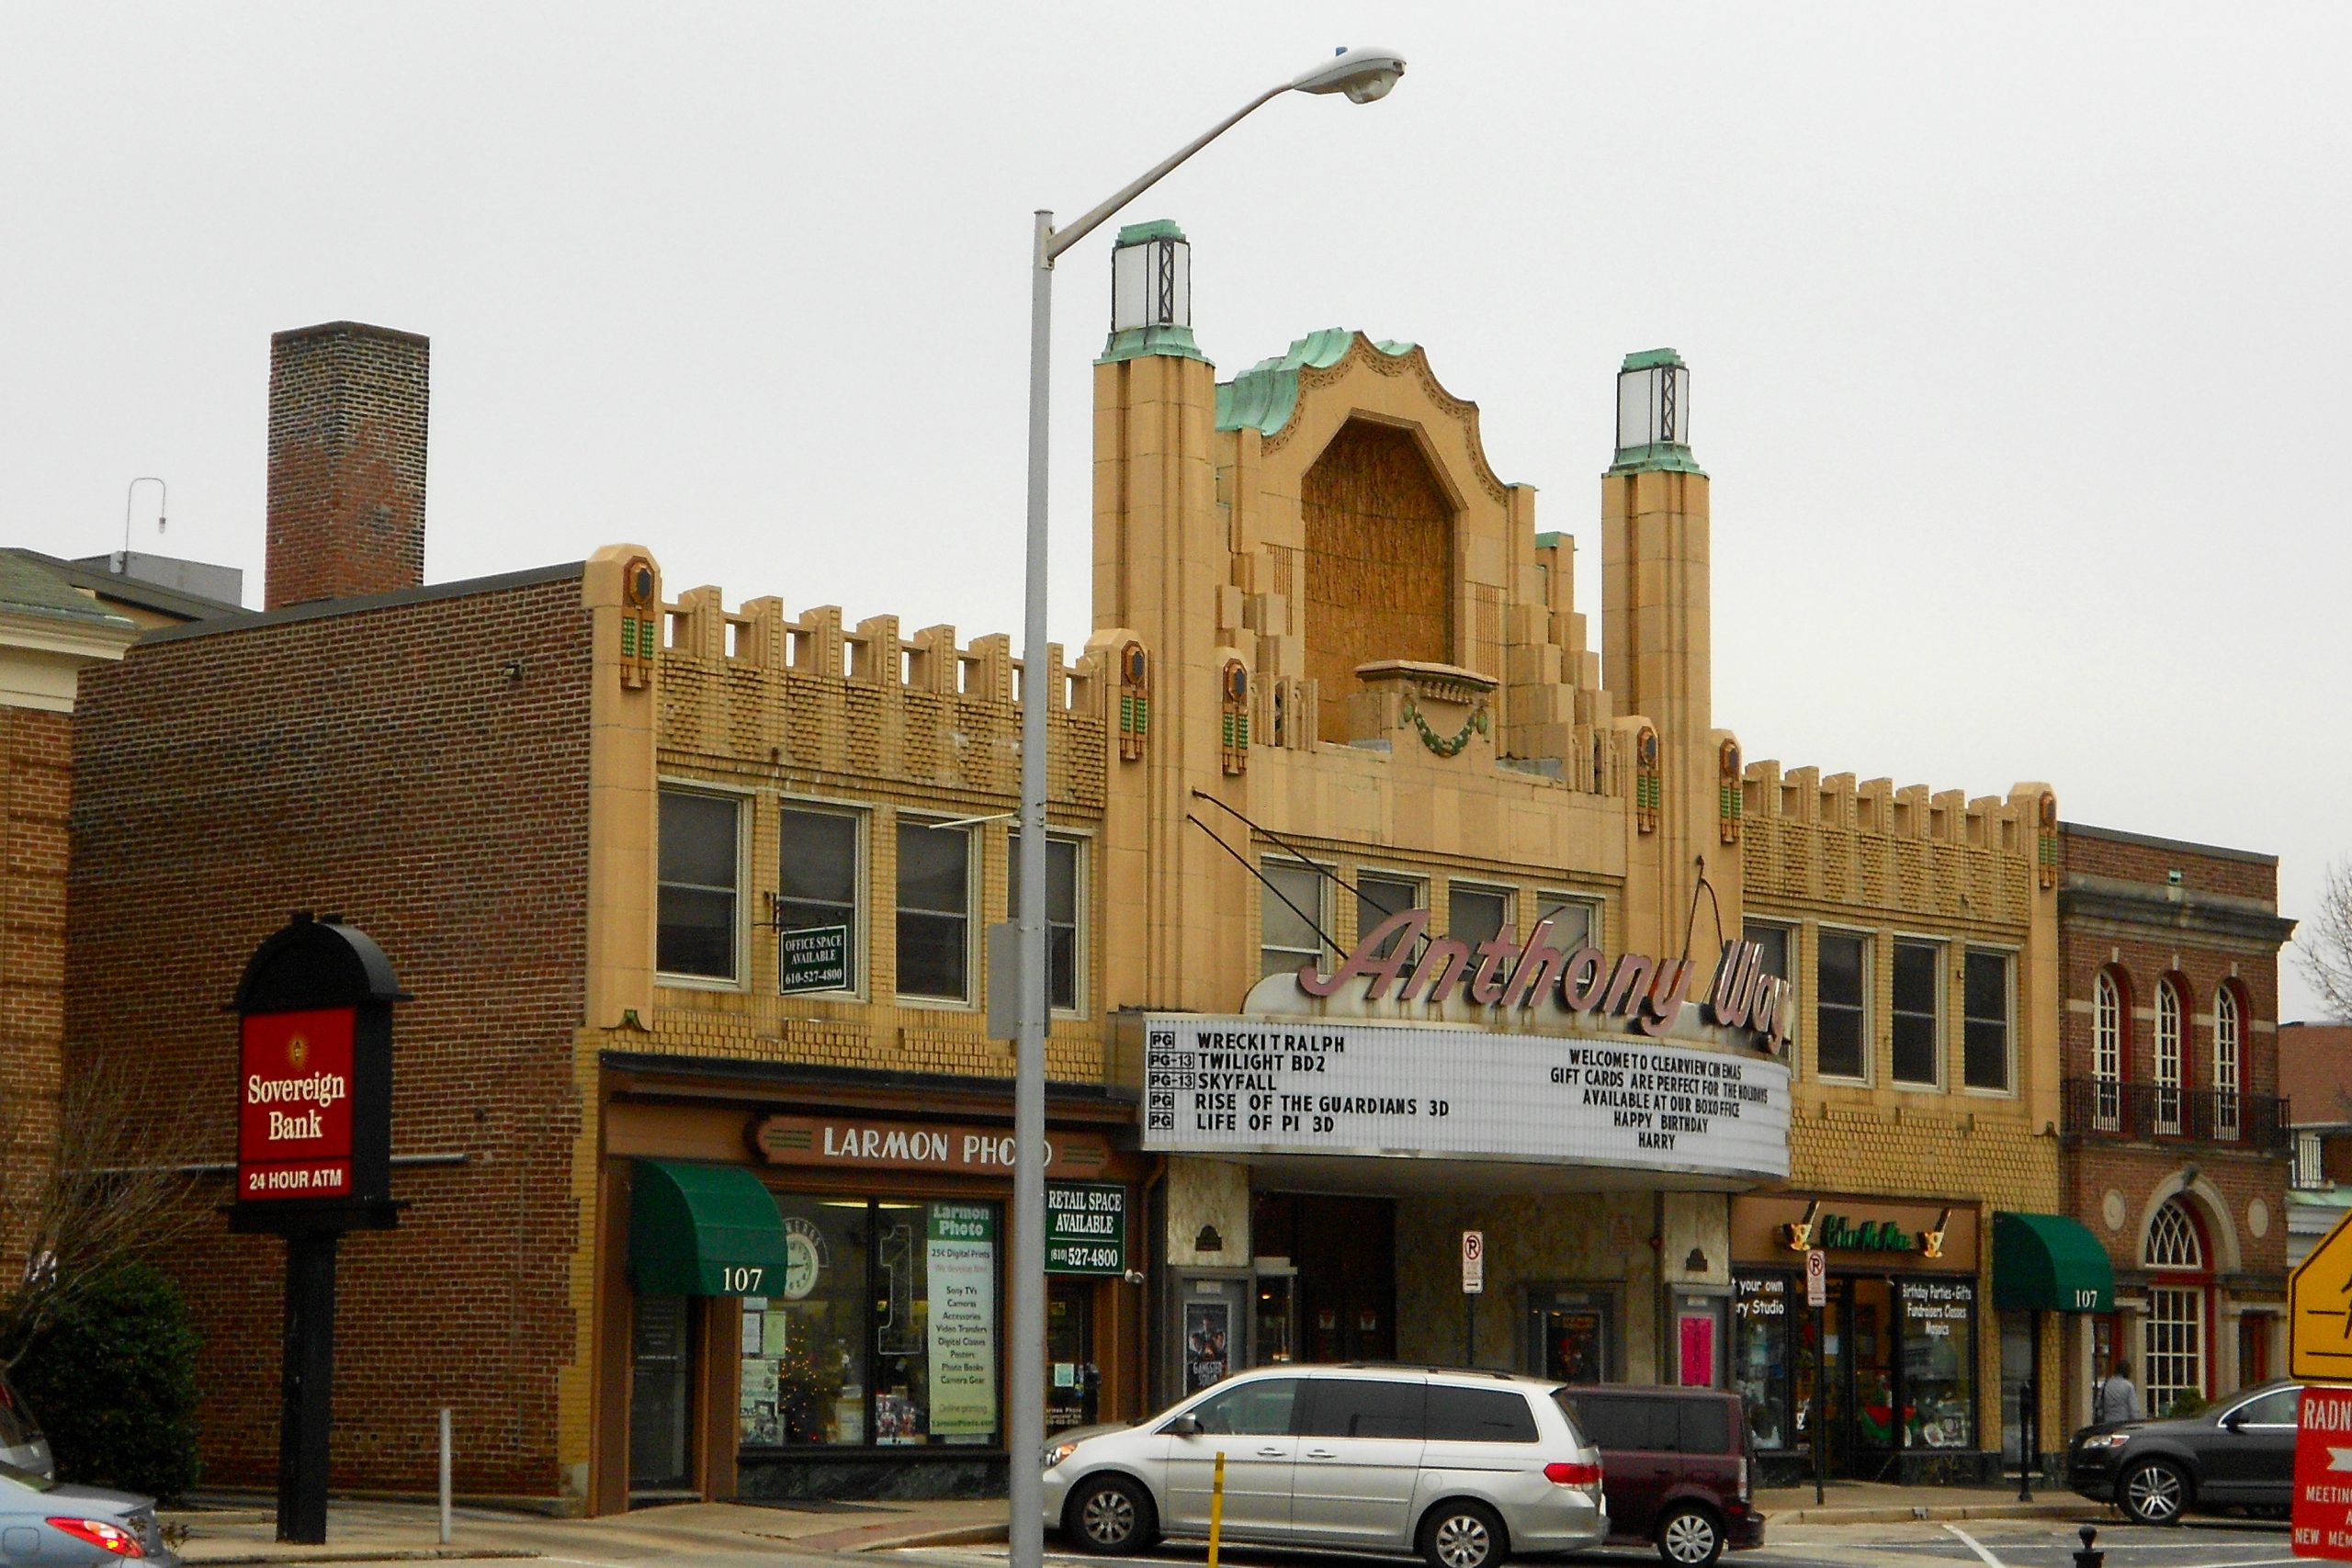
x=1379, y=895
x=700, y=870
x=1291, y=906
x=1918, y=1012
x=1474, y=914
x=1778, y=944
x=1576, y=922
x=2107, y=1053
x=818, y=887
x=1061, y=916
x=1985, y=1032
x=935, y=913
x=2164, y=1061
x=2309, y=1163
x=1841, y=979
x=2228, y=1066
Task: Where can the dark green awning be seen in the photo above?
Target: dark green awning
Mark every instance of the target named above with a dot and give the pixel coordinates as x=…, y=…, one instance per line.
x=2049, y=1263
x=703, y=1230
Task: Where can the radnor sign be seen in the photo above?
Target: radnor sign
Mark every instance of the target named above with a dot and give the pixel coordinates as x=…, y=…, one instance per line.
x=1399, y=970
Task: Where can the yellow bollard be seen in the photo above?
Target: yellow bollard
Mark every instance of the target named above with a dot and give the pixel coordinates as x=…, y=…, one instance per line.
x=1217, y=1505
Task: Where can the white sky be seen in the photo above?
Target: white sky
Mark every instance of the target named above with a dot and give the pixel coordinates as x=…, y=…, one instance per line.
x=2017, y=331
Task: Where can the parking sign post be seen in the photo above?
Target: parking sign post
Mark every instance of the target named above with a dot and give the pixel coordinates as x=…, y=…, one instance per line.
x=1816, y=1296
x=1474, y=1285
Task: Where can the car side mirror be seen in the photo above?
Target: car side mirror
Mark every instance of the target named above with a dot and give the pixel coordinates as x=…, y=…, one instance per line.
x=1185, y=1425
x=2234, y=1420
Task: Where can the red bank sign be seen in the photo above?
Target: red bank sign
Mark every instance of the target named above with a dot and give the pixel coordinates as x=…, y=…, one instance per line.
x=2324, y=1475
x=294, y=1110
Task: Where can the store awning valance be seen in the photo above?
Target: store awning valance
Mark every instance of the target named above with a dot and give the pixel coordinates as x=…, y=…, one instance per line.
x=703, y=1230
x=2049, y=1263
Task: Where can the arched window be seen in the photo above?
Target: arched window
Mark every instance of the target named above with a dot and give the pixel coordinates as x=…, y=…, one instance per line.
x=2227, y=1064
x=2107, y=1055
x=2173, y=1358
x=2166, y=1062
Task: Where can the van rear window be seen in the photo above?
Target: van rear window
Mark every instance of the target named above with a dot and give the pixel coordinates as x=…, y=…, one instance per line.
x=1479, y=1415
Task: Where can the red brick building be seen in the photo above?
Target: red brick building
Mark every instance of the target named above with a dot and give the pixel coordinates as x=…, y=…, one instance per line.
x=2175, y=1129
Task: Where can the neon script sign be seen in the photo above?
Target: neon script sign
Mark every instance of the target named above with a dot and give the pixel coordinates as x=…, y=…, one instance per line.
x=1507, y=974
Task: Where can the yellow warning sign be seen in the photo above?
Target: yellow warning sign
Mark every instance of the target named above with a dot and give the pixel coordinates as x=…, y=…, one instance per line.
x=2319, y=1309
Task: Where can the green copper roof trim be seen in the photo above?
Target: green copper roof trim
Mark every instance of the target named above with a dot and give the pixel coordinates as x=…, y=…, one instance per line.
x=1658, y=457
x=1140, y=342
x=1266, y=394
x=1550, y=541
x=1158, y=229
x=1650, y=358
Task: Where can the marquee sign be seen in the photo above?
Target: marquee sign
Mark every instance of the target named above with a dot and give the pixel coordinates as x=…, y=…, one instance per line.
x=1531, y=977
x=1255, y=1086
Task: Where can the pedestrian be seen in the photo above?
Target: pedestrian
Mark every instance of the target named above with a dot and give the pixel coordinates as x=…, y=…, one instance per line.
x=2115, y=1399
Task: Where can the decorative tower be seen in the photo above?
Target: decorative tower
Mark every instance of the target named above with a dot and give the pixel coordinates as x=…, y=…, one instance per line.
x=1656, y=659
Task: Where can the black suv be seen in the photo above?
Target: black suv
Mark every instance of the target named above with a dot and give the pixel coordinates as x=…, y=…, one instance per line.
x=2237, y=1452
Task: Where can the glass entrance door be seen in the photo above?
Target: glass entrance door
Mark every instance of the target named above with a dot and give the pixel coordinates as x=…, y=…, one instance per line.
x=1071, y=1375
x=660, y=1396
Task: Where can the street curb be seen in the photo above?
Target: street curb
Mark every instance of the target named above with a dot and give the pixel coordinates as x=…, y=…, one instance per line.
x=1930, y=1512
x=359, y=1555
x=953, y=1535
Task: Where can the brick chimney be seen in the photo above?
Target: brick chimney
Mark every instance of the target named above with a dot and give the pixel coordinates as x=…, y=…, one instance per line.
x=347, y=405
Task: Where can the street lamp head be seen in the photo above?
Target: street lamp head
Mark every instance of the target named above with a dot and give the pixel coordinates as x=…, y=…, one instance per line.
x=1365, y=74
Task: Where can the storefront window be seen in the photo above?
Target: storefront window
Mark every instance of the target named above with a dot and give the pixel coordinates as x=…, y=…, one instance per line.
x=1759, y=1357
x=885, y=1332
x=1939, y=1363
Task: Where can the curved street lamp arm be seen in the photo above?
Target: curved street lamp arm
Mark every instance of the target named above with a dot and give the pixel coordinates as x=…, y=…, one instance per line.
x=1053, y=243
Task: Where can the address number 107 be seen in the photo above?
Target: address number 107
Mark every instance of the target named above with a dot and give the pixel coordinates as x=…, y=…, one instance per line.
x=741, y=1277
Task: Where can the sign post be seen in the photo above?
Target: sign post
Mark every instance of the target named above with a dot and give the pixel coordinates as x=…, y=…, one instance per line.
x=1816, y=1297
x=1474, y=1285
x=314, y=1133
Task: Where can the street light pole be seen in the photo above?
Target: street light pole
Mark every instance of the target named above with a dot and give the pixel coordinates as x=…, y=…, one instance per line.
x=1364, y=76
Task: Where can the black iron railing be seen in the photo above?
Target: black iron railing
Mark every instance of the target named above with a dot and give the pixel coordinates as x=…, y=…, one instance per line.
x=2103, y=1107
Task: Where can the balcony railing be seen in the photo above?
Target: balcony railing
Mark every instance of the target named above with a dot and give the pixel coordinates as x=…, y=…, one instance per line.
x=2103, y=1107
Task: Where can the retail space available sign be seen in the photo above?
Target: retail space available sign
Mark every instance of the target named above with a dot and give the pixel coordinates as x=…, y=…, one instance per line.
x=2323, y=1505
x=814, y=959
x=1250, y=1086
x=294, y=1104
x=1086, y=1227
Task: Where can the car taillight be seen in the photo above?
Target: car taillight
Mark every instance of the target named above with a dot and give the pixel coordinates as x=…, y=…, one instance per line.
x=1569, y=1474
x=104, y=1534
x=1744, y=1492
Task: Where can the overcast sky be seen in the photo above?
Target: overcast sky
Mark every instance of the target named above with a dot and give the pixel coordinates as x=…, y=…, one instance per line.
x=2017, y=332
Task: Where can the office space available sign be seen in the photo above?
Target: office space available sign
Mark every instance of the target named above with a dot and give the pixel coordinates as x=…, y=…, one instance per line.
x=294, y=1104
x=1250, y=1086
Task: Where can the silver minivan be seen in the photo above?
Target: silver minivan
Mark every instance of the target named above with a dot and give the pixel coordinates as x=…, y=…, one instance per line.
x=1466, y=1466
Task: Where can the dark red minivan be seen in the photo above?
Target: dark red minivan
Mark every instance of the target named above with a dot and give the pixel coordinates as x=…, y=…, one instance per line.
x=1675, y=1467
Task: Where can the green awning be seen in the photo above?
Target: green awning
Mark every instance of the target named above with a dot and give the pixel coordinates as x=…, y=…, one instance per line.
x=2049, y=1263
x=703, y=1230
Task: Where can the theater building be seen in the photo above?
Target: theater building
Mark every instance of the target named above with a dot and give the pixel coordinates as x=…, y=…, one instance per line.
x=1388, y=901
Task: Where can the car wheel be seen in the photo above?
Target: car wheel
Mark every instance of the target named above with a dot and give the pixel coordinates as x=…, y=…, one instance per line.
x=2155, y=1493
x=1463, y=1535
x=1690, y=1536
x=1111, y=1515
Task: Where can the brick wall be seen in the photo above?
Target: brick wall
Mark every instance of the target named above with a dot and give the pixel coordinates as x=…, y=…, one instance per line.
x=421, y=767
x=347, y=425
x=36, y=760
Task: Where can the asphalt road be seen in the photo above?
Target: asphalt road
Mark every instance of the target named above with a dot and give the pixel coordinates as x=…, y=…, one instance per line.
x=1978, y=1543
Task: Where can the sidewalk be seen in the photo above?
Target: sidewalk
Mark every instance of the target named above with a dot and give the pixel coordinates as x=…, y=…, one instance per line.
x=1877, y=1503
x=377, y=1532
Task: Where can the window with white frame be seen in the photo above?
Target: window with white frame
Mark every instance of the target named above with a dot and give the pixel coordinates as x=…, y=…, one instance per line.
x=1984, y=1020
x=1917, y=1012
x=935, y=913
x=1841, y=981
x=1475, y=914
x=2228, y=1063
x=818, y=887
x=2107, y=1055
x=1062, y=946
x=1291, y=906
x=2173, y=1357
x=700, y=867
x=2165, y=1059
x=2310, y=1164
x=1379, y=895
x=1576, y=922
x=2173, y=1241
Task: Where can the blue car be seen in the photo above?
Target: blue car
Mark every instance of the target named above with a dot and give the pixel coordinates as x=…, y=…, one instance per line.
x=46, y=1523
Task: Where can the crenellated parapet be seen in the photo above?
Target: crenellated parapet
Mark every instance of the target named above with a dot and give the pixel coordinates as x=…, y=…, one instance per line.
x=1810, y=838
x=809, y=693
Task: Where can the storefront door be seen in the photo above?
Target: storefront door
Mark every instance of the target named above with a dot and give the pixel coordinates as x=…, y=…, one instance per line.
x=660, y=1402
x=1862, y=1422
x=1343, y=1251
x=1072, y=1378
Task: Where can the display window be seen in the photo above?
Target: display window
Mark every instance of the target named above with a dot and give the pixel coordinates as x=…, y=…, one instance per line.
x=1895, y=1360
x=885, y=1332
x=1761, y=1373
x=1938, y=1351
